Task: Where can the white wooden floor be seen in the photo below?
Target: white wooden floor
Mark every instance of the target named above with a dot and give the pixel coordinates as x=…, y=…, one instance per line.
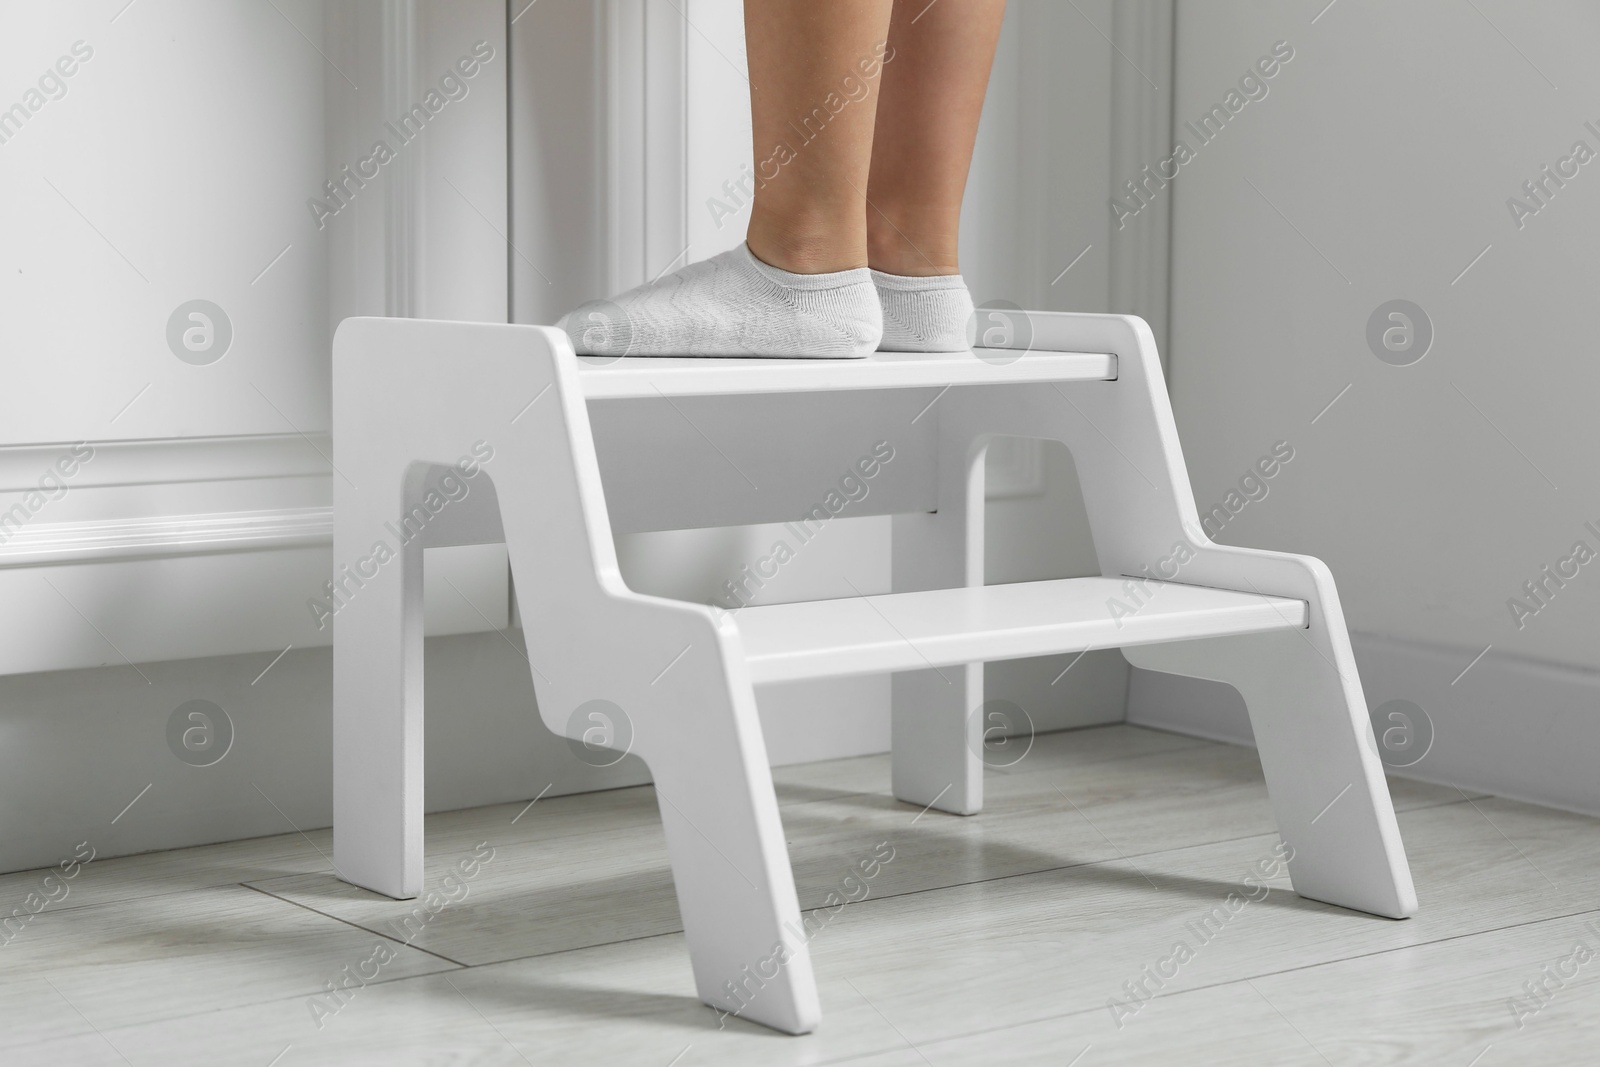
x=998, y=939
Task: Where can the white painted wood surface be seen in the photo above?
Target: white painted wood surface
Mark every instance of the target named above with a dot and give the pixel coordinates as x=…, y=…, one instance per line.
x=937, y=628
x=640, y=377
x=678, y=678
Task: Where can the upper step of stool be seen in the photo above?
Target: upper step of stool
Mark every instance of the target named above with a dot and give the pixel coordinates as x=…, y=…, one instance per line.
x=633, y=376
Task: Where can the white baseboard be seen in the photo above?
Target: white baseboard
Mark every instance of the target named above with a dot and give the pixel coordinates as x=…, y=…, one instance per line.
x=1511, y=726
x=87, y=599
x=80, y=745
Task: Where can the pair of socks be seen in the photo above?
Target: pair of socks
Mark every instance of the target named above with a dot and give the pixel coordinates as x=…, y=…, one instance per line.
x=734, y=304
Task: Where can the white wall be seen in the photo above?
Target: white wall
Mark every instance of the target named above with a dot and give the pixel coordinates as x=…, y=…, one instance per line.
x=179, y=164
x=178, y=563
x=144, y=186
x=1378, y=167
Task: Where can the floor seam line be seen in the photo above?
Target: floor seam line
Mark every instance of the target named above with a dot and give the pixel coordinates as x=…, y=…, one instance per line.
x=353, y=925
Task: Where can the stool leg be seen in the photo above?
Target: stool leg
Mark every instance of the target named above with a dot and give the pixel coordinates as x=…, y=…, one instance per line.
x=935, y=738
x=1321, y=764
x=936, y=728
x=377, y=687
x=730, y=865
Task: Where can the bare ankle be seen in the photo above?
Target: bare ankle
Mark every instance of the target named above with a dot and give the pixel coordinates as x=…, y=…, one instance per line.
x=913, y=252
x=912, y=265
x=807, y=246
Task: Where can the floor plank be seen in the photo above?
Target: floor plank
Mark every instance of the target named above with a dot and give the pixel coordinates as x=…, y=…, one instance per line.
x=1449, y=1001
x=1228, y=1024
x=1007, y=937
x=609, y=879
x=109, y=965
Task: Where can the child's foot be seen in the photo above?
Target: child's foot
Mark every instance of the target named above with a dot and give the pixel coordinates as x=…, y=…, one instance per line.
x=924, y=314
x=733, y=304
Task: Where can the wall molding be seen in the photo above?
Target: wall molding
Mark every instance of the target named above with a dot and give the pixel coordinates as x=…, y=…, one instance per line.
x=171, y=460
x=110, y=540
x=163, y=497
x=402, y=203
x=1141, y=135
x=645, y=105
x=176, y=548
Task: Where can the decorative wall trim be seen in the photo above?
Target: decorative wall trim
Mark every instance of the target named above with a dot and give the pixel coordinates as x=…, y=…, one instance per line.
x=176, y=548
x=170, y=460
x=1141, y=135
x=211, y=494
x=104, y=541
x=646, y=144
x=403, y=203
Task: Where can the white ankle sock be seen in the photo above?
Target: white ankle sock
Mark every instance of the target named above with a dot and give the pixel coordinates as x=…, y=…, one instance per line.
x=924, y=314
x=733, y=304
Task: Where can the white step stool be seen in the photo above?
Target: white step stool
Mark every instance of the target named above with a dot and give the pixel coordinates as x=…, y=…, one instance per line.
x=411, y=398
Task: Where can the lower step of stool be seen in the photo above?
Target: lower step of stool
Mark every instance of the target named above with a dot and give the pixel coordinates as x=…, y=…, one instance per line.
x=940, y=627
